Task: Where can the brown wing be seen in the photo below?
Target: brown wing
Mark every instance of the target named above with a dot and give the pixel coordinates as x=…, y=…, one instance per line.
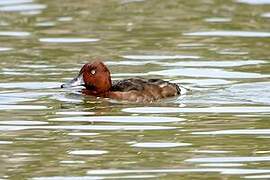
x=128, y=85
x=138, y=89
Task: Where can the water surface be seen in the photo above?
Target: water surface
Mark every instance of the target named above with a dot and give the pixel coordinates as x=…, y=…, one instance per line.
x=217, y=49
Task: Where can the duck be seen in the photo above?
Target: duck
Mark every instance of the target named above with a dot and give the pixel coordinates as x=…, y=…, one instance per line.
x=95, y=77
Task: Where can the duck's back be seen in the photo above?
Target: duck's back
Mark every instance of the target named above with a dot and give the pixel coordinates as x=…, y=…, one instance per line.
x=139, y=89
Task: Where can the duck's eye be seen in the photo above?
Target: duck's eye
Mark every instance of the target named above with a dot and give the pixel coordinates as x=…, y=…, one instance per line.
x=93, y=71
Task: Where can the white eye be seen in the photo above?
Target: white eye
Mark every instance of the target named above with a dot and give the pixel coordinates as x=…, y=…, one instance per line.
x=93, y=71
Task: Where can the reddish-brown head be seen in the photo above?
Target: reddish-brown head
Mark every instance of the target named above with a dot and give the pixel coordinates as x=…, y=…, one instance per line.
x=94, y=76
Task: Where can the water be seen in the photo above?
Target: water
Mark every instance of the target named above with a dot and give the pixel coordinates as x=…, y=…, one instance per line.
x=218, y=50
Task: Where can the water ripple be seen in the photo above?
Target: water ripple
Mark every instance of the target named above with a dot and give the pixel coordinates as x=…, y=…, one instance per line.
x=130, y=63
x=221, y=165
x=204, y=82
x=22, y=7
x=195, y=170
x=88, y=152
x=69, y=178
x=65, y=18
x=266, y=15
x=45, y=24
x=254, y=2
x=185, y=63
x=22, y=107
x=217, y=19
x=16, y=122
x=265, y=176
x=6, y=142
x=251, y=91
x=13, y=100
x=236, y=132
x=230, y=34
x=5, y=49
x=74, y=113
x=68, y=40
x=229, y=159
x=159, y=145
x=207, y=72
x=233, y=63
x=87, y=127
x=82, y=134
x=122, y=119
x=8, y=2
x=159, y=57
x=211, y=151
x=233, y=109
x=71, y=162
x=31, y=85
x=14, y=33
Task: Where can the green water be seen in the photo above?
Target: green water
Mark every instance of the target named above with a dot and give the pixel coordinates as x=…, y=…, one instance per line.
x=218, y=49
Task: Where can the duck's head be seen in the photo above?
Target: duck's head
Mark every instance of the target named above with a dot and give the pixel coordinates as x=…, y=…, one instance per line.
x=94, y=76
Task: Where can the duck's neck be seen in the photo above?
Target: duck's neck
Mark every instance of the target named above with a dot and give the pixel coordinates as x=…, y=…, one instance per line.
x=95, y=93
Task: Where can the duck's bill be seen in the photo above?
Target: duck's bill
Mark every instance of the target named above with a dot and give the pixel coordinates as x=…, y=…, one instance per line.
x=77, y=81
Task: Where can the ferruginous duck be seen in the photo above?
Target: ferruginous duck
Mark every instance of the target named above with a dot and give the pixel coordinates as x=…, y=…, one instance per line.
x=96, y=79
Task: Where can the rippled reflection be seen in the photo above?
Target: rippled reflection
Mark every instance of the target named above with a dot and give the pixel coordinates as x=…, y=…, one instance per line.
x=87, y=152
x=159, y=145
x=258, y=109
x=198, y=170
x=67, y=40
x=230, y=34
x=229, y=159
x=86, y=127
x=13, y=33
x=5, y=49
x=8, y=2
x=159, y=57
x=254, y=1
x=217, y=51
x=23, y=7
x=123, y=119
